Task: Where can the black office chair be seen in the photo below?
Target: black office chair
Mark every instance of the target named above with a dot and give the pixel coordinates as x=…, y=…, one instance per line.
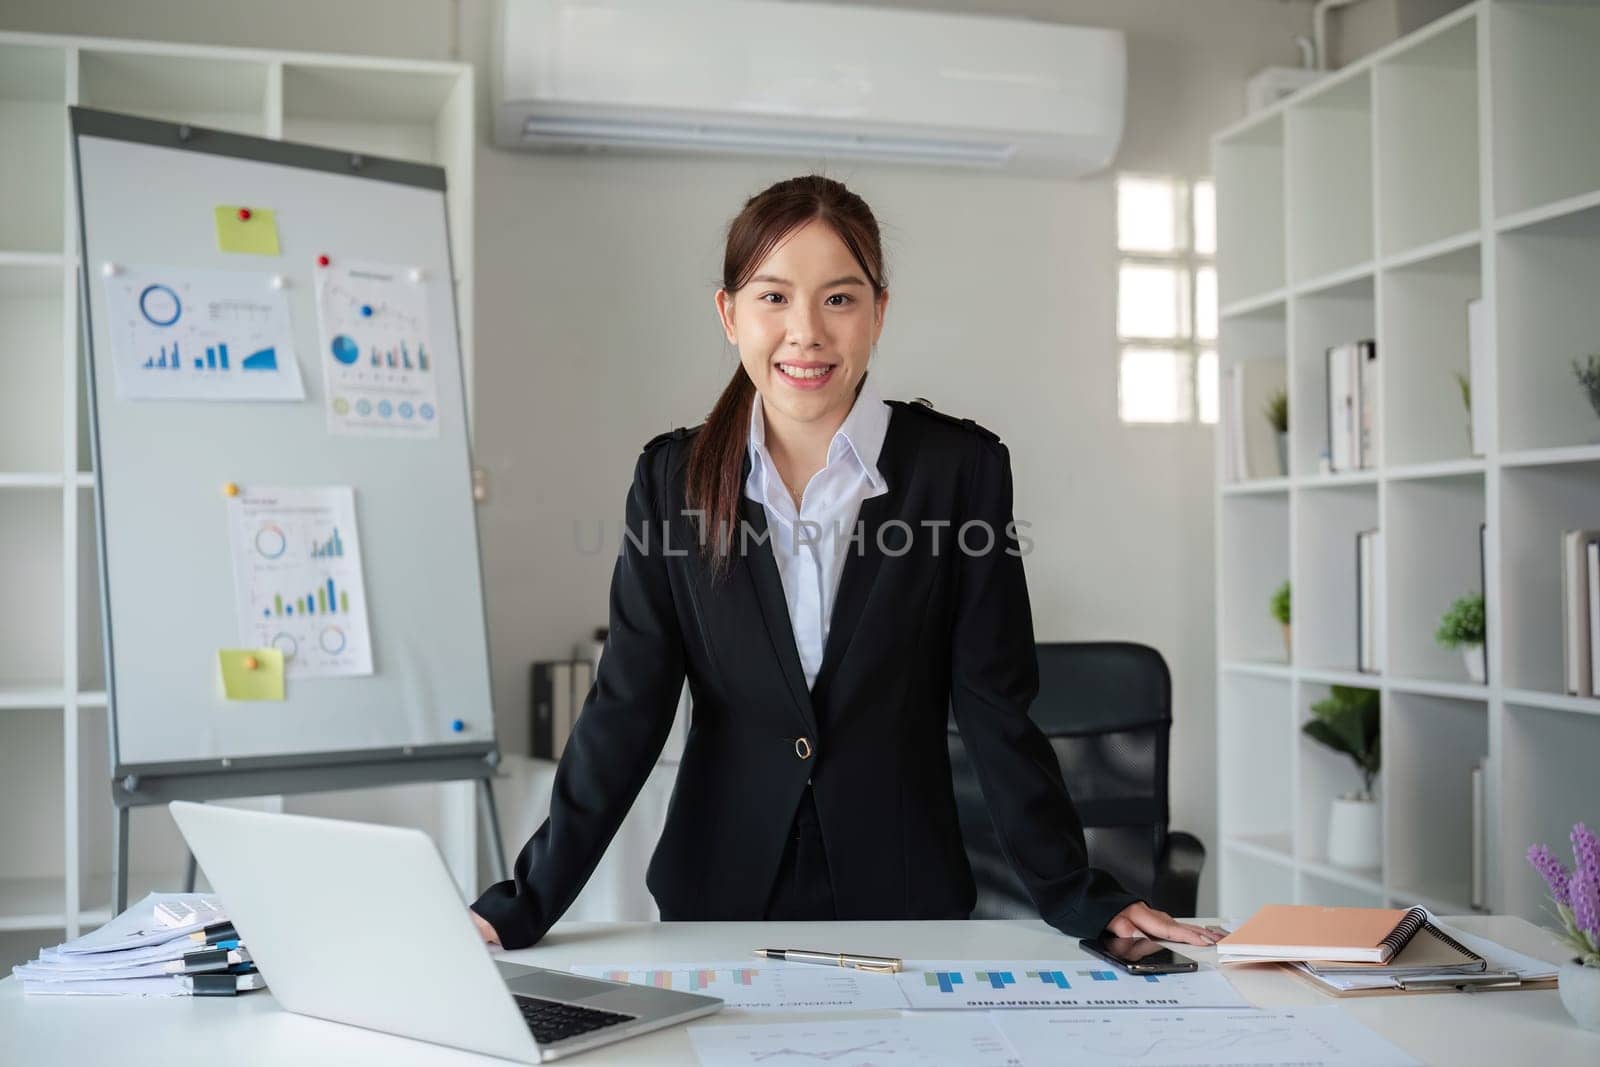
x=1106, y=707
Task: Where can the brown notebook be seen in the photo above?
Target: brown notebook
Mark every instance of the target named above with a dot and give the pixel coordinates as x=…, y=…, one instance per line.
x=1312, y=932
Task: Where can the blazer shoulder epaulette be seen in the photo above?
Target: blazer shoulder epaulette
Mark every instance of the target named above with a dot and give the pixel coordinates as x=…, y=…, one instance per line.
x=926, y=409
x=681, y=433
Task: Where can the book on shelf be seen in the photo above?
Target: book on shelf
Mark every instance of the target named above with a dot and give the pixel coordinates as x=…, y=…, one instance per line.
x=1369, y=617
x=1352, y=380
x=1578, y=662
x=1252, y=444
x=1478, y=375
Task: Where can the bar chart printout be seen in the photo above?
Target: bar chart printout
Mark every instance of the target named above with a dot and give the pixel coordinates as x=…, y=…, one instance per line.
x=200, y=335
x=763, y=985
x=377, y=350
x=297, y=578
x=947, y=984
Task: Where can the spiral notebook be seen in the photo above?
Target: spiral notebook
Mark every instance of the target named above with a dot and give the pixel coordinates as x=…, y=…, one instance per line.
x=1429, y=951
x=1298, y=932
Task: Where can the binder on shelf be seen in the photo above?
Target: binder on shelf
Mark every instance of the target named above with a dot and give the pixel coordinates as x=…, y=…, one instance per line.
x=1369, y=619
x=1366, y=404
x=1478, y=375
x=582, y=682
x=561, y=712
x=1341, y=406
x=559, y=690
x=1483, y=587
x=1352, y=379
x=1594, y=615
x=1579, y=670
x=1480, y=893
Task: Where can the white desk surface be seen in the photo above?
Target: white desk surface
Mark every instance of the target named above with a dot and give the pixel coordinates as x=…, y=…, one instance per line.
x=1444, y=1028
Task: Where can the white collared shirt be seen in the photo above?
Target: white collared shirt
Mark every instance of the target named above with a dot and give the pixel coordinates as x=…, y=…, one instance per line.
x=811, y=543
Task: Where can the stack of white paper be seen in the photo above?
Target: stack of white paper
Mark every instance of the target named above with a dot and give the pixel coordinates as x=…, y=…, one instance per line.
x=132, y=955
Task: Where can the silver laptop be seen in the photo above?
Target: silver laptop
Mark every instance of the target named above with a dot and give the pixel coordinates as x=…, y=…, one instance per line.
x=362, y=924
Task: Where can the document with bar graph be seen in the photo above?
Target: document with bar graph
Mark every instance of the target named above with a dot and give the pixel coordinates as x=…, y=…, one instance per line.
x=187, y=334
x=297, y=578
x=946, y=984
x=763, y=985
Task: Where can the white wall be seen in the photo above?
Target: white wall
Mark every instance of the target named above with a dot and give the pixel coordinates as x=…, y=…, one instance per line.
x=596, y=328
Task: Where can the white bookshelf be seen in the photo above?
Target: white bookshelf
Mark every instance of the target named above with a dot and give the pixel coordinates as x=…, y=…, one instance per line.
x=1460, y=162
x=55, y=807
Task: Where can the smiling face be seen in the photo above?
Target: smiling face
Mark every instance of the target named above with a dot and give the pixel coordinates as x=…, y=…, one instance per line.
x=805, y=324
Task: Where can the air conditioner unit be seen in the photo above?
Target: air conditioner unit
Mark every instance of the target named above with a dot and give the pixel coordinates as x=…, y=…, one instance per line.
x=822, y=81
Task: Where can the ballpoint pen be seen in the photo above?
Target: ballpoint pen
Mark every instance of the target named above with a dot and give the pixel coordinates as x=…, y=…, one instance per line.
x=875, y=964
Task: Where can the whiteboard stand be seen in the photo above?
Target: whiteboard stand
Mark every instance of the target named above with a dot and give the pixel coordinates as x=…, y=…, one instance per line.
x=137, y=790
x=147, y=190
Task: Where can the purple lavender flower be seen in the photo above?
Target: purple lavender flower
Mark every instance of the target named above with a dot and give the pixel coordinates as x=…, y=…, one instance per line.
x=1584, y=892
x=1586, y=853
x=1555, y=875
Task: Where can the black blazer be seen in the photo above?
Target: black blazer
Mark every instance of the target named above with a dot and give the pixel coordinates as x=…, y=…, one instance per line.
x=919, y=628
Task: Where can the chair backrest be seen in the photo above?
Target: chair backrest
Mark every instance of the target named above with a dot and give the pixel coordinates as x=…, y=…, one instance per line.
x=1106, y=707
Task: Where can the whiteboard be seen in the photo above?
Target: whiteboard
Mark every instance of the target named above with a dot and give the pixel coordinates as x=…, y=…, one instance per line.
x=146, y=192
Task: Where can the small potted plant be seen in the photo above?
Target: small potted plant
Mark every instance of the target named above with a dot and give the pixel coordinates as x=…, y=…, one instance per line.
x=1466, y=402
x=1463, y=627
x=1347, y=722
x=1588, y=375
x=1576, y=895
x=1277, y=413
x=1280, y=611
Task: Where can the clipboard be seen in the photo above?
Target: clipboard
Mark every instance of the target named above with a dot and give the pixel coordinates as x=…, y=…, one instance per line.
x=1458, y=983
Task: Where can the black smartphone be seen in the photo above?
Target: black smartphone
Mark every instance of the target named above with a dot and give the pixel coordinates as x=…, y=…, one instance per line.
x=1139, y=955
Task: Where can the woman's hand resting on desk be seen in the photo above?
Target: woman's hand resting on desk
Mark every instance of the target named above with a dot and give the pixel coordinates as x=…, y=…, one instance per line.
x=484, y=929
x=1141, y=920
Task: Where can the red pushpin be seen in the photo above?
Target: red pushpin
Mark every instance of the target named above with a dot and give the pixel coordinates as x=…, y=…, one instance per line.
x=322, y=261
x=244, y=214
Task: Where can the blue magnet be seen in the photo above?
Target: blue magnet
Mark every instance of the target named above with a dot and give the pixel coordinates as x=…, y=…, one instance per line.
x=366, y=311
x=458, y=726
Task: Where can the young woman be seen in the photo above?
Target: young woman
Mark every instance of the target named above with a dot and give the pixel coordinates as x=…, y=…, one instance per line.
x=834, y=575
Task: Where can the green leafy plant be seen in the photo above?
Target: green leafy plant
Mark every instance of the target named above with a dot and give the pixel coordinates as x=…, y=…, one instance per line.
x=1277, y=411
x=1347, y=722
x=1466, y=391
x=1589, y=378
x=1280, y=603
x=1463, y=624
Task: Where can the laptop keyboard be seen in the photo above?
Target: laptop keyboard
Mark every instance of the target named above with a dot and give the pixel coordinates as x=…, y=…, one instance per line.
x=551, y=1020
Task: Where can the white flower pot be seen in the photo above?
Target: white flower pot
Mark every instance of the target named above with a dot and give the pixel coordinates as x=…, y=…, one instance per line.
x=1580, y=993
x=1473, y=655
x=1355, y=836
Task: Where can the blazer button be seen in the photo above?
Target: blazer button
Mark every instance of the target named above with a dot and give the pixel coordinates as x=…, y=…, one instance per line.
x=802, y=748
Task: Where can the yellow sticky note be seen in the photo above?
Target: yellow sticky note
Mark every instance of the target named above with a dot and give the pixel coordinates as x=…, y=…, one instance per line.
x=241, y=681
x=241, y=228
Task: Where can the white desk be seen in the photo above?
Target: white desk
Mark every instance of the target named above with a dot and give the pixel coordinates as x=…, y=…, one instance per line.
x=1447, y=1028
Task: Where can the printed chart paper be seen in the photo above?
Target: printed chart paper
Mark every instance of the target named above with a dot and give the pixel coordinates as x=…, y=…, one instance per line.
x=378, y=357
x=297, y=578
x=763, y=985
x=947, y=984
x=967, y=1041
x=200, y=335
x=1305, y=1037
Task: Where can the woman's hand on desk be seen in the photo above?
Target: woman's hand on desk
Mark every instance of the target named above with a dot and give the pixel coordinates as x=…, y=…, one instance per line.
x=484, y=929
x=1141, y=920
